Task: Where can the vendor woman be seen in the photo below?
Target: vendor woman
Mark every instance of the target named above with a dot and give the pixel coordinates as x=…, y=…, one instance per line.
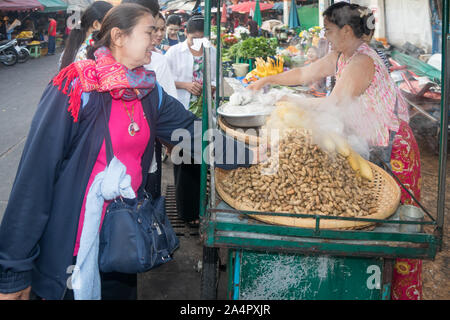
x=361, y=74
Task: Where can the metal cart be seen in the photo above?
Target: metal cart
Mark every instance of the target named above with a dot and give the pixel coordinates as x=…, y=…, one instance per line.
x=280, y=262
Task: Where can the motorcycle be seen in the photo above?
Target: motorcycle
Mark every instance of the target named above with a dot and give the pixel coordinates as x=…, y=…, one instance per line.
x=22, y=52
x=8, y=53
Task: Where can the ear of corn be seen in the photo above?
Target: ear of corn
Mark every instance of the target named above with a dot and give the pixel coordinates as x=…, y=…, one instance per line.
x=365, y=169
x=341, y=145
x=360, y=165
x=328, y=144
x=353, y=161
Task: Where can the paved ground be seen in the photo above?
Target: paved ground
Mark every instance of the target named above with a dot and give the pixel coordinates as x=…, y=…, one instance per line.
x=20, y=89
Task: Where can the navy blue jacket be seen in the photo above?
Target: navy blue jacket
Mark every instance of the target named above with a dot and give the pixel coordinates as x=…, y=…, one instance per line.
x=39, y=227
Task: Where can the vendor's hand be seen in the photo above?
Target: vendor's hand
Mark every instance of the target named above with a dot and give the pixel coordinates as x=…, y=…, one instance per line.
x=20, y=295
x=194, y=88
x=258, y=85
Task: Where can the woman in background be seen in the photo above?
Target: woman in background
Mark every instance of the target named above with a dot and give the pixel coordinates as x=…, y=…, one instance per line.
x=164, y=77
x=173, y=27
x=186, y=64
x=253, y=28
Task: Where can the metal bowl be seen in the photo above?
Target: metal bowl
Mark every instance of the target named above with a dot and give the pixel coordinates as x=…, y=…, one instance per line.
x=245, y=120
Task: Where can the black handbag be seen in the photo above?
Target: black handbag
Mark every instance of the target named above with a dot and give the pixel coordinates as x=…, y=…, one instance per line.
x=136, y=234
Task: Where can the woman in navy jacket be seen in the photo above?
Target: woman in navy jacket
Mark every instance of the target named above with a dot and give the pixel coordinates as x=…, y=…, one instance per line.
x=39, y=228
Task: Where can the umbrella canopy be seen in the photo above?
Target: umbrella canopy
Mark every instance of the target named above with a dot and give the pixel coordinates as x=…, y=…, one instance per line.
x=53, y=5
x=257, y=15
x=223, y=18
x=20, y=5
x=294, y=21
x=245, y=7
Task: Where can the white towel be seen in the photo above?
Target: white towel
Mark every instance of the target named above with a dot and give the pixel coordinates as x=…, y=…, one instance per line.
x=108, y=185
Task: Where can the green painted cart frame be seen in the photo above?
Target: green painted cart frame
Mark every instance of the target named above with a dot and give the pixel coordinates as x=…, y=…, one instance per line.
x=218, y=230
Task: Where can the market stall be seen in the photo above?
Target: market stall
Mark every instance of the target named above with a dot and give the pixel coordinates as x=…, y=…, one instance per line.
x=281, y=243
x=28, y=24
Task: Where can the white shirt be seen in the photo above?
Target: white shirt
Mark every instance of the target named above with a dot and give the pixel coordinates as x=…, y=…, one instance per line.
x=160, y=66
x=181, y=63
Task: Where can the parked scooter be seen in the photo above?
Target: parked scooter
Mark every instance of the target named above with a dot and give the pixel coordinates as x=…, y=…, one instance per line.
x=22, y=52
x=8, y=53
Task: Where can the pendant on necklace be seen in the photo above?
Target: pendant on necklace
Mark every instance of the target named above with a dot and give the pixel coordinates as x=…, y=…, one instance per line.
x=133, y=128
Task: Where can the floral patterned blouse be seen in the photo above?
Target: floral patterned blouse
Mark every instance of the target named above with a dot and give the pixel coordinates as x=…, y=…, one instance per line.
x=378, y=101
x=82, y=51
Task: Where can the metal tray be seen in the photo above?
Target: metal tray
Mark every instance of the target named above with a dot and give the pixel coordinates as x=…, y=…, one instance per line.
x=245, y=120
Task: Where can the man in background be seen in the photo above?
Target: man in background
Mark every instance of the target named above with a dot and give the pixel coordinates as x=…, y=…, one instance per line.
x=51, y=36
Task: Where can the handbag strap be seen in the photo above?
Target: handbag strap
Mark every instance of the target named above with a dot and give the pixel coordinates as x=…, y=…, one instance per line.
x=108, y=143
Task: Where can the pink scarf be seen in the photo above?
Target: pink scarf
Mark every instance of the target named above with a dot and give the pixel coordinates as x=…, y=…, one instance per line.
x=104, y=74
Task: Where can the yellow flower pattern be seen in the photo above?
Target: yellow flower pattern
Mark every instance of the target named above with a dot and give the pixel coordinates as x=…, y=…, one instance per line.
x=397, y=166
x=405, y=161
x=402, y=267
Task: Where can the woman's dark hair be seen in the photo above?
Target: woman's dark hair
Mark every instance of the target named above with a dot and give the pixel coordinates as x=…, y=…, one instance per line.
x=195, y=24
x=173, y=19
x=359, y=18
x=95, y=12
x=253, y=28
x=152, y=5
x=125, y=17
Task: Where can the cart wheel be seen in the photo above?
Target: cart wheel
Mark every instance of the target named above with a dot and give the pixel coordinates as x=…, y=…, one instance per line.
x=210, y=274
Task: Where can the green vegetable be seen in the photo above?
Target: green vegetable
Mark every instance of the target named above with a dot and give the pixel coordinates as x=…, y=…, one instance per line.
x=287, y=61
x=197, y=107
x=225, y=55
x=252, y=48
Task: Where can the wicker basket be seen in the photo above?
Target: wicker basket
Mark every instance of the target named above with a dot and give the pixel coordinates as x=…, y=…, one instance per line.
x=386, y=190
x=255, y=136
x=238, y=134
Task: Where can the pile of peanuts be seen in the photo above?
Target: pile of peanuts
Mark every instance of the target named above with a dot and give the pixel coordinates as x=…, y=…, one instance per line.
x=302, y=179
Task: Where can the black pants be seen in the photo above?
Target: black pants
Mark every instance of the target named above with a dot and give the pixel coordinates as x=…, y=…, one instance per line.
x=115, y=286
x=187, y=190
